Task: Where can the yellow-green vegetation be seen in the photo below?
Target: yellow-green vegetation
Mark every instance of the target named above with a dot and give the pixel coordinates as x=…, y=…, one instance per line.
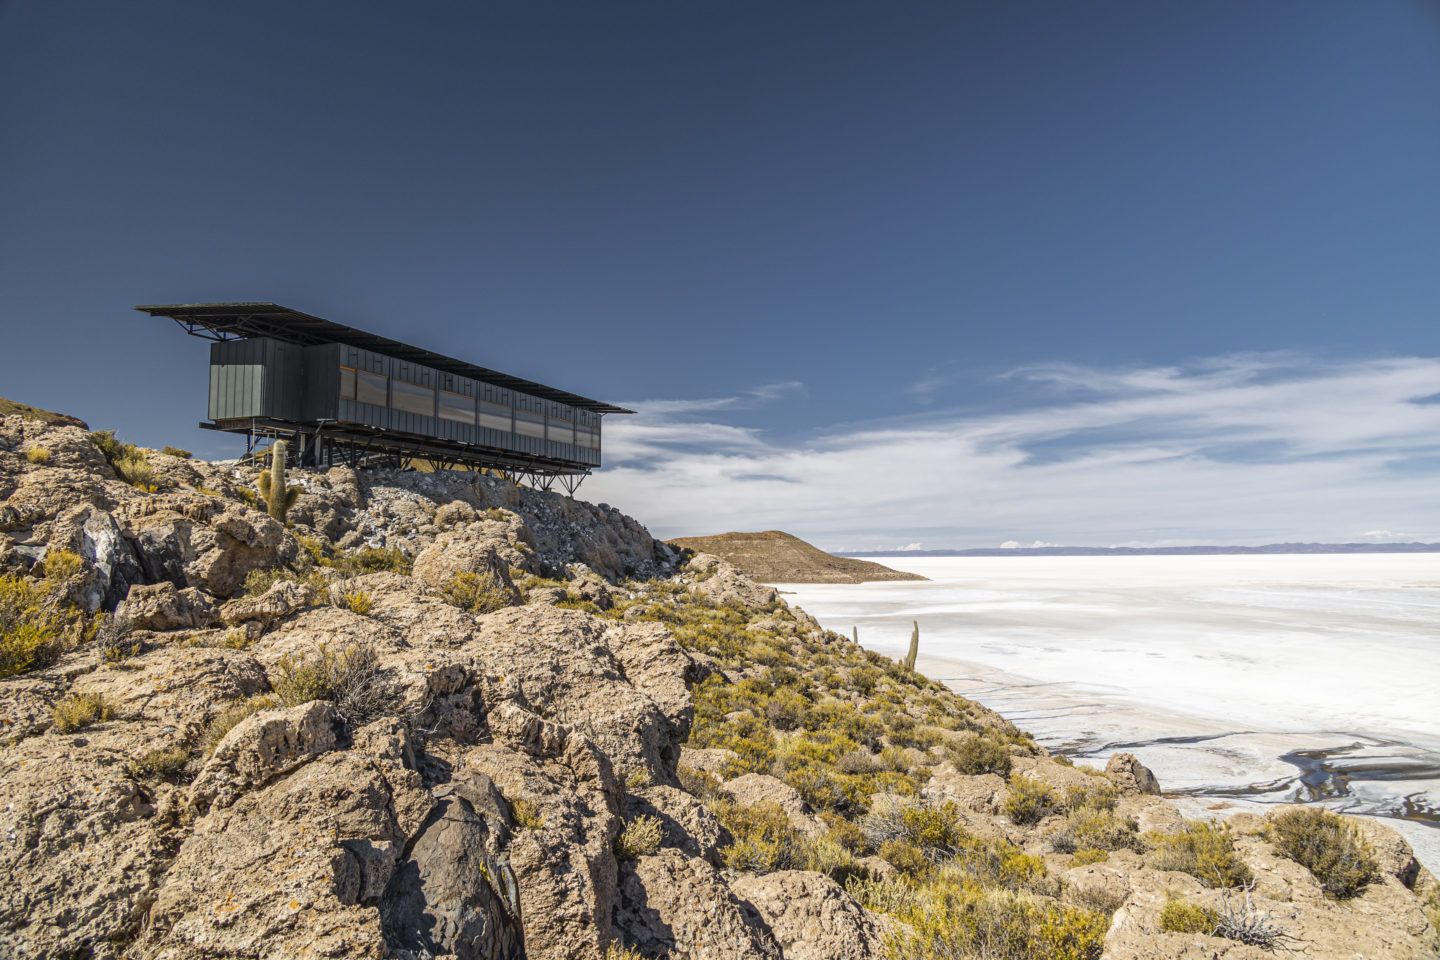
x=1092, y=825
x=640, y=838
x=475, y=593
x=80, y=710
x=526, y=815
x=112, y=449
x=356, y=601
x=1029, y=801
x=349, y=676
x=37, y=622
x=37, y=455
x=1182, y=916
x=162, y=763
x=1203, y=850
x=979, y=754
x=1088, y=855
x=170, y=451
x=138, y=472
x=227, y=719
x=1327, y=845
x=617, y=952
x=856, y=734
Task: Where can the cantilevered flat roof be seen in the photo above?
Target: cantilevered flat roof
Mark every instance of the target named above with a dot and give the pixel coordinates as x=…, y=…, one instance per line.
x=233, y=321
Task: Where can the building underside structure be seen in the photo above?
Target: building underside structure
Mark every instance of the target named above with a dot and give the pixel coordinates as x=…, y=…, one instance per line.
x=342, y=395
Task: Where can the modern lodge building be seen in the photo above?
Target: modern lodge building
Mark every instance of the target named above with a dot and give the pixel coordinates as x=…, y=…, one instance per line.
x=347, y=396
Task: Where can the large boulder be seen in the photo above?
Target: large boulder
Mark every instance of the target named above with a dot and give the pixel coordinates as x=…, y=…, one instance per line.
x=162, y=607
x=453, y=554
x=753, y=789
x=686, y=823
x=262, y=747
x=671, y=905
x=1130, y=775
x=206, y=542
x=84, y=849
x=812, y=916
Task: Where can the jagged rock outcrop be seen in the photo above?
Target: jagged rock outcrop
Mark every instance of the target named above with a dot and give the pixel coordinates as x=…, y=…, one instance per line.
x=811, y=916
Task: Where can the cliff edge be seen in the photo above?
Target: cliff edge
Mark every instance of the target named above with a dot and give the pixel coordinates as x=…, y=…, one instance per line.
x=438, y=715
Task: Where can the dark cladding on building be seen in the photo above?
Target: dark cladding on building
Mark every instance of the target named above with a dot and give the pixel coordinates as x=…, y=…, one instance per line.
x=347, y=396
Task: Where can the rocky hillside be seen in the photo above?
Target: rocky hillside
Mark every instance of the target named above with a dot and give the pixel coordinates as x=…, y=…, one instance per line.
x=437, y=716
x=777, y=557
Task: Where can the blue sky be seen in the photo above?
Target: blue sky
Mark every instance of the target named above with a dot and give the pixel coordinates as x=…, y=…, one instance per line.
x=878, y=274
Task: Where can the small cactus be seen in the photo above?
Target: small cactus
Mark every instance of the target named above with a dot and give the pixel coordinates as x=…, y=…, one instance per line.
x=278, y=498
x=855, y=635
x=909, y=660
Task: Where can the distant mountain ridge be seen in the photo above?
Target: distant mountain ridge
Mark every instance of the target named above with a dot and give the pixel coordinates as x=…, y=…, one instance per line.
x=1271, y=548
x=777, y=557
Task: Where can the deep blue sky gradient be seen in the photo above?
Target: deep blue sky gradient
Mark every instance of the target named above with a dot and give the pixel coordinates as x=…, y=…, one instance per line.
x=660, y=200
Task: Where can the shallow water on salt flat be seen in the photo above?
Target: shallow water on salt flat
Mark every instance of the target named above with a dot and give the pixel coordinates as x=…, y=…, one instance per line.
x=1237, y=679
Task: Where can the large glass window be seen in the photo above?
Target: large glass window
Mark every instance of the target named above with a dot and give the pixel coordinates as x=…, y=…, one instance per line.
x=457, y=407
x=372, y=388
x=412, y=398
x=496, y=416
x=561, y=431
x=347, y=383
x=582, y=435
x=529, y=424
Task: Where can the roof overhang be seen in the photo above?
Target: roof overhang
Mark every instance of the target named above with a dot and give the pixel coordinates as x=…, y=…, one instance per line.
x=235, y=321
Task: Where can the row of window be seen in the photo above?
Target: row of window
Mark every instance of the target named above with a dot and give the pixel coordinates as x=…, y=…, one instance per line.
x=382, y=391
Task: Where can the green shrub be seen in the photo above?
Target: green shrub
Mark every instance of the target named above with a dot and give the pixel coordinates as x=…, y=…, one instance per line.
x=764, y=840
x=138, y=472
x=1088, y=855
x=475, y=593
x=356, y=601
x=640, y=838
x=1181, y=916
x=1097, y=829
x=1204, y=851
x=933, y=830
x=111, y=449
x=170, y=451
x=79, y=710
x=1029, y=801
x=35, y=626
x=37, y=455
x=697, y=783
x=375, y=560
x=1327, y=845
x=977, y=755
x=960, y=920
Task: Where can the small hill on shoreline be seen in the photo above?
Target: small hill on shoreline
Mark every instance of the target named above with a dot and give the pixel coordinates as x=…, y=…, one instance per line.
x=777, y=557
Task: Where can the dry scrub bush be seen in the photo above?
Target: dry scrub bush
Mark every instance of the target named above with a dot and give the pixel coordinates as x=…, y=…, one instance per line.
x=170, y=451
x=1241, y=920
x=525, y=815
x=1327, y=845
x=350, y=677
x=166, y=763
x=640, y=838
x=1029, y=801
x=475, y=593
x=37, y=455
x=976, y=755
x=80, y=710
x=355, y=600
x=1203, y=850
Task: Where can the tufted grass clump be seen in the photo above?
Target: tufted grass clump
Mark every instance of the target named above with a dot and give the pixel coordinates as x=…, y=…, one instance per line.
x=1182, y=916
x=1327, y=845
x=640, y=838
x=475, y=593
x=616, y=952
x=1203, y=850
x=229, y=718
x=170, y=451
x=1029, y=801
x=374, y=560
x=37, y=455
x=526, y=815
x=80, y=710
x=161, y=763
x=977, y=755
x=355, y=600
x=764, y=840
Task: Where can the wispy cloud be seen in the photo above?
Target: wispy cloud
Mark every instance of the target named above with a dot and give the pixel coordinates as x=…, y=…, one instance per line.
x=1239, y=449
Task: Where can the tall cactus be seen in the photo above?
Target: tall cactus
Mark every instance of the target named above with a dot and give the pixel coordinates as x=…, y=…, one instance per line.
x=909, y=660
x=278, y=498
x=855, y=634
